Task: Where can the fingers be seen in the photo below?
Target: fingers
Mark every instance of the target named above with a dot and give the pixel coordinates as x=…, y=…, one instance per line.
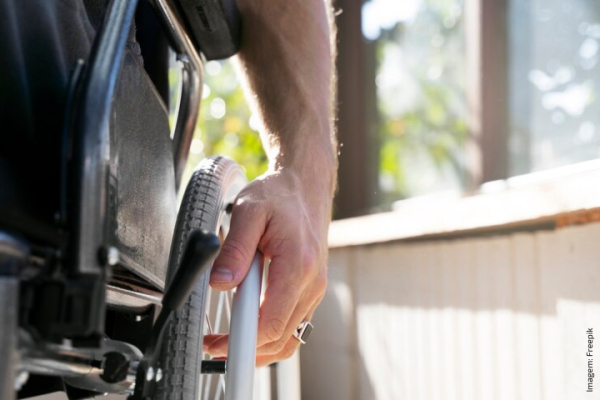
x=303, y=311
x=282, y=297
x=281, y=227
x=275, y=324
x=231, y=265
x=286, y=352
x=209, y=340
x=217, y=345
x=289, y=300
x=290, y=346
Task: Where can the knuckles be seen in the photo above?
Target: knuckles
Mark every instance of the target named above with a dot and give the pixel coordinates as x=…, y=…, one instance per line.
x=320, y=283
x=277, y=346
x=275, y=329
x=288, y=351
x=310, y=260
x=235, y=249
x=308, y=263
x=247, y=210
x=313, y=270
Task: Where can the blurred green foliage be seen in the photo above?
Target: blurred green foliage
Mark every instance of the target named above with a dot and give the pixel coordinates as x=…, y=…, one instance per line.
x=421, y=107
x=421, y=103
x=223, y=126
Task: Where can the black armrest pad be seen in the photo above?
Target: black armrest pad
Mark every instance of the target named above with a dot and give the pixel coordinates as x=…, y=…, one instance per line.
x=214, y=25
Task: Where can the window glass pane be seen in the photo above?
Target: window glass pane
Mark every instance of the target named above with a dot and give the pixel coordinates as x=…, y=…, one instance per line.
x=554, y=79
x=419, y=46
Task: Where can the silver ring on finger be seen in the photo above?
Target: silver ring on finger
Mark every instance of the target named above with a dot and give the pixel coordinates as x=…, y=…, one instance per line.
x=303, y=331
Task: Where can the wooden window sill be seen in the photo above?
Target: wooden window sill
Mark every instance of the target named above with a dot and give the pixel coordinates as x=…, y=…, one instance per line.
x=544, y=200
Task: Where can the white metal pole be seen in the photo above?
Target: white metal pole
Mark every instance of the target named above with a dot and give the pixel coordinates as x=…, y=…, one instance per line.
x=241, y=357
x=288, y=378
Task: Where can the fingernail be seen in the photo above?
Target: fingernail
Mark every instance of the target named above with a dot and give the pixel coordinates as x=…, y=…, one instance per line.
x=221, y=275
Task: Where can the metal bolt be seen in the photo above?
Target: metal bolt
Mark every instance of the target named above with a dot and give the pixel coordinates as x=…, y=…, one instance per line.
x=21, y=380
x=183, y=58
x=112, y=256
x=150, y=374
x=159, y=374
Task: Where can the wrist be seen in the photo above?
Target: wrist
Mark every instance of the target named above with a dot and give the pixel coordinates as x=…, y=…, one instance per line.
x=313, y=164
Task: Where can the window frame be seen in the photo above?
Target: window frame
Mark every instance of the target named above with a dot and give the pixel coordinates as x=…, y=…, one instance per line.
x=486, y=150
x=544, y=200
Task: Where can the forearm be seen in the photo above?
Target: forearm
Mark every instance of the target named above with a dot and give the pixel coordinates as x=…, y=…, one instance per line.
x=286, y=57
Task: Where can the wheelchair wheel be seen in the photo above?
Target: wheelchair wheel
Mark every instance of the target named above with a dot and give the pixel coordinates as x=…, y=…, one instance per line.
x=205, y=205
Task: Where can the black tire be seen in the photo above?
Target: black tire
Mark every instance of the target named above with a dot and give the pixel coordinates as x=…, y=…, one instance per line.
x=213, y=186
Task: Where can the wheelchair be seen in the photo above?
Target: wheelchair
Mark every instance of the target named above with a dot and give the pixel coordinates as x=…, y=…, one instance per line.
x=104, y=259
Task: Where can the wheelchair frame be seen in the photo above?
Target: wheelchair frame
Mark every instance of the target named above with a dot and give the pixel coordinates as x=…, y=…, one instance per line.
x=83, y=290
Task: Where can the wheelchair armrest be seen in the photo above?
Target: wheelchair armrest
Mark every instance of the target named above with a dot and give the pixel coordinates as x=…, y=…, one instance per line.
x=214, y=26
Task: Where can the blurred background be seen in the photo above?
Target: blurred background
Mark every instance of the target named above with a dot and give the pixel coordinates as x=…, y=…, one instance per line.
x=464, y=259
x=465, y=247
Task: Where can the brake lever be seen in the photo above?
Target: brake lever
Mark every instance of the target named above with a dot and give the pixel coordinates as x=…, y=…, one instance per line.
x=200, y=250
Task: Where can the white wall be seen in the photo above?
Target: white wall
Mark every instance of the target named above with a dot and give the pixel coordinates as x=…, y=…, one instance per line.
x=498, y=317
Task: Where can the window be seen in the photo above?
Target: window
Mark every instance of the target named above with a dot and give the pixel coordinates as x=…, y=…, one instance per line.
x=420, y=85
x=464, y=92
x=554, y=81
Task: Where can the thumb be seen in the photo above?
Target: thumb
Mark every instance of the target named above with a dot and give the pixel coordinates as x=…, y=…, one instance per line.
x=245, y=231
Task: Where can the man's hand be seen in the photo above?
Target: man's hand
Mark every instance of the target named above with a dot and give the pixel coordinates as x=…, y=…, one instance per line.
x=277, y=215
x=286, y=61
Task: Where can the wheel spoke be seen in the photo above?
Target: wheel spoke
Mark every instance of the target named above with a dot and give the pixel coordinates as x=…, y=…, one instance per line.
x=207, y=307
x=206, y=394
x=219, y=315
x=227, y=308
x=208, y=324
x=220, y=388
